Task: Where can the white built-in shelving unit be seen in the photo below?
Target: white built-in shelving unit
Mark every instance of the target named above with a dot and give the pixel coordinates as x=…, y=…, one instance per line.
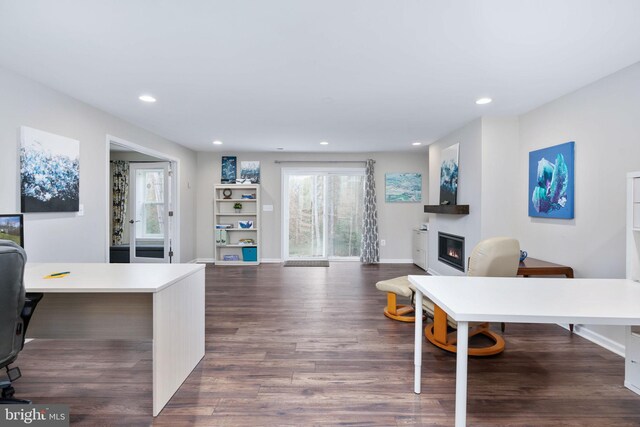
x=632, y=342
x=224, y=213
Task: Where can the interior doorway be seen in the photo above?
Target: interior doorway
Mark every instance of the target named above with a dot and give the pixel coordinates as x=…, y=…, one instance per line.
x=143, y=196
x=322, y=213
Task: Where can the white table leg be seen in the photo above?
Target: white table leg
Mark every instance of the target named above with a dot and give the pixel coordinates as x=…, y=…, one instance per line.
x=461, y=374
x=417, y=357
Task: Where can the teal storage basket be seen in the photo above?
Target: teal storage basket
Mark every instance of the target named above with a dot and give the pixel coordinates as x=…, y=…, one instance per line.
x=249, y=254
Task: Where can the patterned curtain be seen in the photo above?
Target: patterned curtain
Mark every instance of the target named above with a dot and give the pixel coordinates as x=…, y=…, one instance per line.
x=120, y=192
x=370, y=253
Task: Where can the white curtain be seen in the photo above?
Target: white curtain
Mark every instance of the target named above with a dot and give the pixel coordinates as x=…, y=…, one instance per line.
x=370, y=253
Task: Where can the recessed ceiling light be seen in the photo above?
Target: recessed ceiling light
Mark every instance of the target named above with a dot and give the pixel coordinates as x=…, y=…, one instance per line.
x=416, y=143
x=482, y=101
x=217, y=142
x=280, y=148
x=147, y=98
x=324, y=143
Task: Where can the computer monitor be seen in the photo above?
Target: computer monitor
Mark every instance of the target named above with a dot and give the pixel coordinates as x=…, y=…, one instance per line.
x=12, y=228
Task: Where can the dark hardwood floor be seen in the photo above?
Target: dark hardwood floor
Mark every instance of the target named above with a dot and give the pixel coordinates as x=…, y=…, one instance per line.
x=302, y=346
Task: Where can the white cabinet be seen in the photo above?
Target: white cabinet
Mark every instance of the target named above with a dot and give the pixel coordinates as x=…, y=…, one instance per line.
x=421, y=248
x=237, y=228
x=632, y=341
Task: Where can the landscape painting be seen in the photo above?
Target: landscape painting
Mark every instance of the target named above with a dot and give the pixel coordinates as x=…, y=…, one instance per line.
x=49, y=172
x=11, y=228
x=551, y=184
x=403, y=187
x=229, y=168
x=250, y=170
x=449, y=175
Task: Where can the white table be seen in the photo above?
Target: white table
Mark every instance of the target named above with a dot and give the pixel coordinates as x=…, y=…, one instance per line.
x=519, y=300
x=162, y=302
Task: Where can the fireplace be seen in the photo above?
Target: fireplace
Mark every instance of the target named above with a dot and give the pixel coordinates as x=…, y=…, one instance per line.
x=451, y=250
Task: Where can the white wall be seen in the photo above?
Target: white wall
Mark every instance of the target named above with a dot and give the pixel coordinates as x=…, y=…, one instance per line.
x=395, y=220
x=604, y=121
x=65, y=236
x=469, y=188
x=500, y=148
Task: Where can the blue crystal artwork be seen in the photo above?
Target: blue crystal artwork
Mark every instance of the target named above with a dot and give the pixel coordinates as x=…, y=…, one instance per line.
x=551, y=192
x=229, y=166
x=449, y=175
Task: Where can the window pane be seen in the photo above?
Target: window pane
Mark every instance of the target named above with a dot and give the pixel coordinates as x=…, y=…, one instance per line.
x=345, y=200
x=306, y=210
x=154, y=214
x=154, y=185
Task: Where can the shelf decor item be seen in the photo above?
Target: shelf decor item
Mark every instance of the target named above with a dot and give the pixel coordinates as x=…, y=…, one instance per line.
x=245, y=224
x=226, y=193
x=551, y=184
x=251, y=171
x=237, y=207
x=222, y=237
x=229, y=169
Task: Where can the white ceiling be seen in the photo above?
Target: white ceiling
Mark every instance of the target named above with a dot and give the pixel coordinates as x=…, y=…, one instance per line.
x=366, y=75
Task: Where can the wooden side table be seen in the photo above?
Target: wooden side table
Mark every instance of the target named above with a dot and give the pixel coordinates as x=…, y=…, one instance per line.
x=537, y=267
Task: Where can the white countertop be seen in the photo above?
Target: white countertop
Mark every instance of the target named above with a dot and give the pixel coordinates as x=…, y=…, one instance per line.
x=101, y=277
x=534, y=300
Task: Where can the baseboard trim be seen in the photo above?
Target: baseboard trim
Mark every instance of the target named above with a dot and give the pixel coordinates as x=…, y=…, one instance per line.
x=597, y=338
x=433, y=272
x=270, y=260
x=396, y=261
x=631, y=387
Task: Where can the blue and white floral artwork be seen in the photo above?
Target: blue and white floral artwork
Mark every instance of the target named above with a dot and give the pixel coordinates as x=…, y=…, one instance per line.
x=403, y=187
x=250, y=170
x=551, y=192
x=449, y=175
x=49, y=172
x=229, y=168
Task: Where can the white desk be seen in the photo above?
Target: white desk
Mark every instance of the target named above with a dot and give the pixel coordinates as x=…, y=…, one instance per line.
x=518, y=300
x=163, y=302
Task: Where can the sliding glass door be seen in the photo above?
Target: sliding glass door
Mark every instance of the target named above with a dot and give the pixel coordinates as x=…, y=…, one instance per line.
x=322, y=213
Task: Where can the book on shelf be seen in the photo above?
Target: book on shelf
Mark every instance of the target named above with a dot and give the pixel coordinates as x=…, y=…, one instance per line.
x=224, y=225
x=246, y=242
x=222, y=237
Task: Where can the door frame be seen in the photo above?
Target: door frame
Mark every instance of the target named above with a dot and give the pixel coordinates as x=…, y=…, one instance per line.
x=284, y=227
x=175, y=190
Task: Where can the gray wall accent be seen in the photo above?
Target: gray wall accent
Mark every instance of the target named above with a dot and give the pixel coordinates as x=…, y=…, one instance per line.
x=395, y=220
x=469, y=188
x=602, y=119
x=52, y=237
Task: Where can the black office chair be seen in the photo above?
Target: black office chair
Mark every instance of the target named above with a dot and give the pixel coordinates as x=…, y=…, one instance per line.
x=16, y=308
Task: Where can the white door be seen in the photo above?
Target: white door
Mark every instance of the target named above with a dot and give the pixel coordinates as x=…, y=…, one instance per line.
x=149, y=203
